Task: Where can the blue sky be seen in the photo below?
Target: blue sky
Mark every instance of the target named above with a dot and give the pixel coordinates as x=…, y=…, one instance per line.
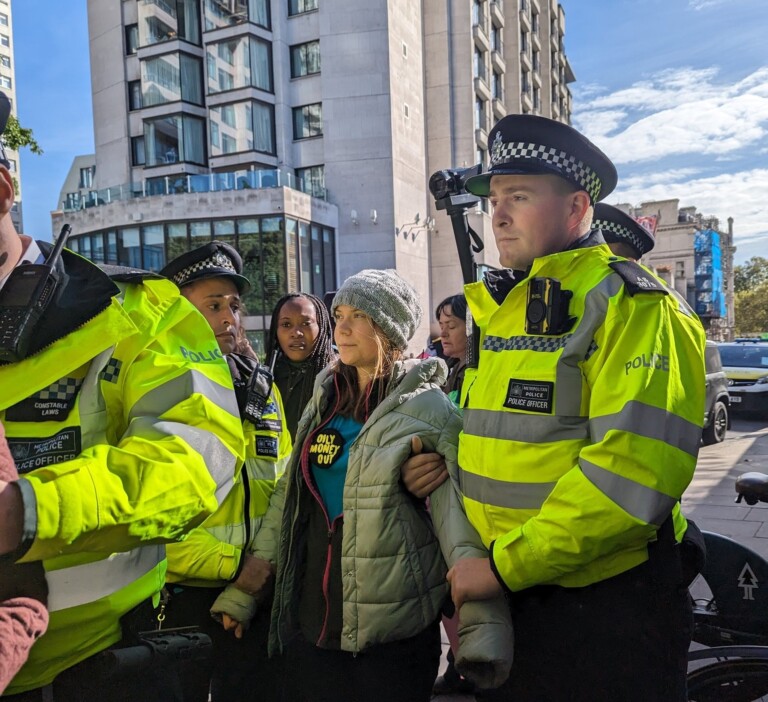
x=675, y=91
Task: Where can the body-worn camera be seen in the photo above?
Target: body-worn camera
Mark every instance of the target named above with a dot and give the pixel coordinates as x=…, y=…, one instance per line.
x=547, y=310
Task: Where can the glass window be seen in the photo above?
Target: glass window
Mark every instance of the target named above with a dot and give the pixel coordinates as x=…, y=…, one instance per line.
x=5, y=61
x=308, y=121
x=3, y=19
x=172, y=77
x=291, y=248
x=131, y=38
x=305, y=59
x=249, y=245
x=176, y=243
x=172, y=139
x=305, y=257
x=85, y=246
x=273, y=248
x=153, y=247
x=5, y=82
x=164, y=20
x=224, y=230
x=199, y=234
x=329, y=264
x=97, y=248
x=134, y=95
x=311, y=180
x=128, y=247
x=225, y=13
x=111, y=249
x=5, y=40
x=86, y=177
x=137, y=151
x=296, y=7
x=317, y=261
x=239, y=63
x=242, y=126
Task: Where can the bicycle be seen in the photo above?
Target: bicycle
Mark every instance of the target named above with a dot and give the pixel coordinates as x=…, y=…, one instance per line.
x=733, y=622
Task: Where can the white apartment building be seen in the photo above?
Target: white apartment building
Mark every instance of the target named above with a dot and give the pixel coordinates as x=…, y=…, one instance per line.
x=8, y=86
x=302, y=131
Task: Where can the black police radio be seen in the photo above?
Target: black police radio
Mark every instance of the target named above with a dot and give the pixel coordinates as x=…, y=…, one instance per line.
x=547, y=310
x=23, y=300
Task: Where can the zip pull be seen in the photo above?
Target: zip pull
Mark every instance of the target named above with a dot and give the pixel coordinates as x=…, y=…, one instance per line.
x=165, y=597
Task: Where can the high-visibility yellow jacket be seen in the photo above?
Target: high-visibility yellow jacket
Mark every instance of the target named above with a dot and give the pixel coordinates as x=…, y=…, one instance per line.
x=577, y=446
x=124, y=427
x=211, y=554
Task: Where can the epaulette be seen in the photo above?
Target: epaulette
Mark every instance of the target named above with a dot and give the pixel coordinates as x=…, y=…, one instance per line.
x=637, y=279
x=125, y=274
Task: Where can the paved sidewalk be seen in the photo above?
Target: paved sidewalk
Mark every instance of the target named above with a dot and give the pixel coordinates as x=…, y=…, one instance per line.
x=710, y=499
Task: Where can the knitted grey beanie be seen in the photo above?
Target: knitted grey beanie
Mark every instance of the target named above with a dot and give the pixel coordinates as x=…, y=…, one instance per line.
x=387, y=299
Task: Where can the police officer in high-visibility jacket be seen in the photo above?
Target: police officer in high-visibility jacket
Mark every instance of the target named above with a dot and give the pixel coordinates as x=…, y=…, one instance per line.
x=218, y=552
x=123, y=424
x=582, y=425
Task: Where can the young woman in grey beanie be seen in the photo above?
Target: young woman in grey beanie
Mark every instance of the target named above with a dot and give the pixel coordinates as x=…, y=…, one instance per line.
x=361, y=563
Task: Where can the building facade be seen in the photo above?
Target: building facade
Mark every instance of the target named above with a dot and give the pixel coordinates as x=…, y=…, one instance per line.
x=8, y=86
x=695, y=256
x=312, y=124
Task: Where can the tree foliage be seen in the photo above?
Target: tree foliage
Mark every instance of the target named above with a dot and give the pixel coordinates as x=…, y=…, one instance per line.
x=15, y=137
x=751, y=274
x=751, y=310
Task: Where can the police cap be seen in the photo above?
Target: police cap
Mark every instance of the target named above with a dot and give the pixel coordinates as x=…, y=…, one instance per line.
x=529, y=144
x=214, y=260
x=618, y=227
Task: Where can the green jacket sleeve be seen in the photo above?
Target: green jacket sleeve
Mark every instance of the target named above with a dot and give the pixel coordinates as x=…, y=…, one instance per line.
x=645, y=403
x=173, y=437
x=485, y=628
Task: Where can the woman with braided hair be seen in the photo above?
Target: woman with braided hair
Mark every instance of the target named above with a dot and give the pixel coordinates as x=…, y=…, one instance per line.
x=302, y=335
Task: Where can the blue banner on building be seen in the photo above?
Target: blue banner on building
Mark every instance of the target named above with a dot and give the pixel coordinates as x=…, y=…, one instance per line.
x=708, y=261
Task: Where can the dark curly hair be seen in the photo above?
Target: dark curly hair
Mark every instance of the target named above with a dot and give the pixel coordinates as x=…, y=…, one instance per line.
x=322, y=351
x=458, y=305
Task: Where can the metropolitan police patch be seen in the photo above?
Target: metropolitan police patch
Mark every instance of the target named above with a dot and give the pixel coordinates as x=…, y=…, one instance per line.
x=530, y=395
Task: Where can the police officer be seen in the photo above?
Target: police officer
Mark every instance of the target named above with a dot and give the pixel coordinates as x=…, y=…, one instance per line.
x=124, y=428
x=624, y=235
x=217, y=552
x=581, y=430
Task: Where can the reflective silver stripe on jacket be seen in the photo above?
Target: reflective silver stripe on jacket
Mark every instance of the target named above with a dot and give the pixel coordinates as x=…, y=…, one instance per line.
x=219, y=461
x=643, y=503
x=162, y=398
x=652, y=423
x=83, y=584
x=527, y=428
x=500, y=493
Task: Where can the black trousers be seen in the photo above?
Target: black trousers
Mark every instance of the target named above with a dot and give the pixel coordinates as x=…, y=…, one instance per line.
x=625, y=638
x=400, y=671
x=239, y=670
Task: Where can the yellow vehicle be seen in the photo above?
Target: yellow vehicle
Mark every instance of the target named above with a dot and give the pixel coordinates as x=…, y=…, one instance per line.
x=745, y=362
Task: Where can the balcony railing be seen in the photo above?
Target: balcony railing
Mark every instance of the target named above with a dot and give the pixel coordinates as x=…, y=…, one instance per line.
x=204, y=183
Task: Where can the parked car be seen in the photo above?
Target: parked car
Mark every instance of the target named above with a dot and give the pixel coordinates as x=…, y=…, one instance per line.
x=717, y=418
x=746, y=364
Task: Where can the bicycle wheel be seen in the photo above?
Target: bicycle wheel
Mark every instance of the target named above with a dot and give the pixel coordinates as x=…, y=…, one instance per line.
x=735, y=680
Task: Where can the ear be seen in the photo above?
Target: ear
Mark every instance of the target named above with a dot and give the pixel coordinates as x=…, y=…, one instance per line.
x=579, y=206
x=7, y=191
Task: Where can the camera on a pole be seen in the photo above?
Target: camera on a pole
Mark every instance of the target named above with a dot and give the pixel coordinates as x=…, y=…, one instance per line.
x=447, y=187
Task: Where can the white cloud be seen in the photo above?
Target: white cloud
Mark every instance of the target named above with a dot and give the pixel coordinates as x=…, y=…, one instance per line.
x=738, y=195
x=676, y=112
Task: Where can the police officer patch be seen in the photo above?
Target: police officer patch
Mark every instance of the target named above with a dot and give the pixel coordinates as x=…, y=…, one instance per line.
x=37, y=452
x=530, y=395
x=51, y=404
x=266, y=447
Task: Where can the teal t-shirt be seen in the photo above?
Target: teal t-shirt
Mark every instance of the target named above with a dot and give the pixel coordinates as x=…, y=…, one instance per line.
x=329, y=457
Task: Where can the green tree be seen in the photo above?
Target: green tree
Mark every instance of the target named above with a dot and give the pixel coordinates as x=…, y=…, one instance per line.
x=751, y=310
x=751, y=274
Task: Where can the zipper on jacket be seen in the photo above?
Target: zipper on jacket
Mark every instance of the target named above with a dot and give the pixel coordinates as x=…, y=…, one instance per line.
x=326, y=581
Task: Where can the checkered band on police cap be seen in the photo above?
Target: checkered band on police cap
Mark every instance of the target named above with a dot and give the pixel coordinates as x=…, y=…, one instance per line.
x=620, y=233
x=535, y=145
x=618, y=227
x=569, y=166
x=213, y=260
x=217, y=260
